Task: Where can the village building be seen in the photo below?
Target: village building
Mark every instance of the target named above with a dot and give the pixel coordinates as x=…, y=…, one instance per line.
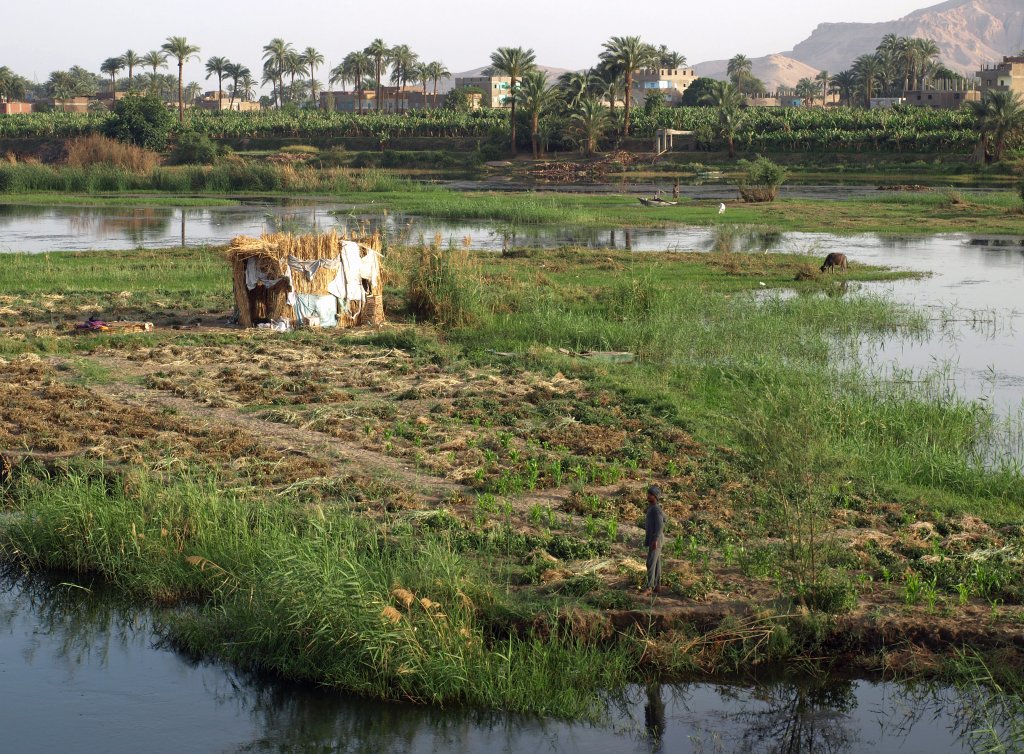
x=1005, y=76
x=393, y=99
x=223, y=101
x=941, y=99
x=496, y=90
x=671, y=82
x=15, y=108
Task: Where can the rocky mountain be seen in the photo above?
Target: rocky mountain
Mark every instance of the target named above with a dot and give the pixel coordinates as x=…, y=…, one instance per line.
x=969, y=33
x=773, y=70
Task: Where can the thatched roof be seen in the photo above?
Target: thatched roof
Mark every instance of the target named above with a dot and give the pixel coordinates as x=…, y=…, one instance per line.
x=272, y=252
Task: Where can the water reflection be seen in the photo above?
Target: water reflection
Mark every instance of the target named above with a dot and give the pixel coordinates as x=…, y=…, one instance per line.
x=90, y=679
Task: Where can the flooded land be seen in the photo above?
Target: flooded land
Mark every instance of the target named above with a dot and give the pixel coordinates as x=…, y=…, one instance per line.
x=290, y=537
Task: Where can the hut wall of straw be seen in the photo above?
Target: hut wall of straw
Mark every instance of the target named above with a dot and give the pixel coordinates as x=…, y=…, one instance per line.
x=272, y=252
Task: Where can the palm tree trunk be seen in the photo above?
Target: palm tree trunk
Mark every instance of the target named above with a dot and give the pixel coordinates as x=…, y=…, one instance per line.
x=533, y=135
x=220, y=91
x=513, y=95
x=732, y=147
x=629, y=92
x=181, y=92
x=435, y=94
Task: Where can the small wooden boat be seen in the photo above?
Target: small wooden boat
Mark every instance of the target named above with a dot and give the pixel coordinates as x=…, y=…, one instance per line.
x=655, y=202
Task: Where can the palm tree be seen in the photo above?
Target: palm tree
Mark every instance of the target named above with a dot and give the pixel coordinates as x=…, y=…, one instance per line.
x=536, y=96
x=275, y=64
x=670, y=58
x=728, y=100
x=131, y=60
x=926, y=51
x=867, y=69
x=628, y=55
x=61, y=86
x=380, y=54
x=514, y=62
x=192, y=91
x=246, y=85
x=218, y=66
x=436, y=70
x=806, y=90
x=111, y=67
x=844, y=83
x=154, y=59
x=739, y=67
x=422, y=73
x=575, y=85
x=180, y=49
x=1000, y=118
x=355, y=65
x=12, y=86
x=403, y=61
x=822, y=80
x=588, y=124
x=312, y=59
x=293, y=66
x=235, y=71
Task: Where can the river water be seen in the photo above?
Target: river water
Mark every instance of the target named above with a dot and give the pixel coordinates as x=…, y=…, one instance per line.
x=80, y=674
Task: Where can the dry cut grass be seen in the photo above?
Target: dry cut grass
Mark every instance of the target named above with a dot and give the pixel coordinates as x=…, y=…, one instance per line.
x=94, y=149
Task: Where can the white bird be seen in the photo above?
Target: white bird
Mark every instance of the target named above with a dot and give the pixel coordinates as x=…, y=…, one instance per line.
x=721, y=208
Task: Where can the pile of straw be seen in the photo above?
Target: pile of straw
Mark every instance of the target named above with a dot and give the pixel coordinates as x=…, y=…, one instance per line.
x=272, y=252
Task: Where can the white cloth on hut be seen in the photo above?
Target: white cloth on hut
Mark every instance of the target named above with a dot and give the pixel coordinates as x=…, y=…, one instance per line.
x=255, y=276
x=309, y=267
x=316, y=310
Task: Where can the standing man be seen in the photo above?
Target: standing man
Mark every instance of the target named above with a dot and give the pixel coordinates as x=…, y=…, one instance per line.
x=654, y=527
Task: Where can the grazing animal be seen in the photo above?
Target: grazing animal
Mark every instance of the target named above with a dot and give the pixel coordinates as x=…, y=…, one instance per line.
x=721, y=208
x=833, y=260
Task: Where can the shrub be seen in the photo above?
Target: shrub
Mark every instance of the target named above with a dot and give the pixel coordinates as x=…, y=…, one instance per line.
x=143, y=121
x=445, y=286
x=762, y=180
x=100, y=150
x=194, y=149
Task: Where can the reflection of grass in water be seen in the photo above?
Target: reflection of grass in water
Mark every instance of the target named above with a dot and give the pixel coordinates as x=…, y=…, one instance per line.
x=390, y=610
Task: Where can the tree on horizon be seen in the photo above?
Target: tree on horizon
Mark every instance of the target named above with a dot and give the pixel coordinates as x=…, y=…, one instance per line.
x=629, y=55
x=180, y=49
x=514, y=62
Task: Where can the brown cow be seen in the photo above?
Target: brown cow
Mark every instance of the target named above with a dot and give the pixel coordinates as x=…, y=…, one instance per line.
x=833, y=260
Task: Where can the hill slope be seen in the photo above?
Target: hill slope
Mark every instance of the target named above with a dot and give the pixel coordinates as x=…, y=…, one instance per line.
x=773, y=70
x=969, y=33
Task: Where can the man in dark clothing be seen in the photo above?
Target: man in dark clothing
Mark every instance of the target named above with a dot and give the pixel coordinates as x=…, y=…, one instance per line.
x=654, y=527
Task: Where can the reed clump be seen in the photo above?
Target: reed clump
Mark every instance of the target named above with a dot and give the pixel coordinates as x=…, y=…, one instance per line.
x=445, y=286
x=86, y=151
x=308, y=593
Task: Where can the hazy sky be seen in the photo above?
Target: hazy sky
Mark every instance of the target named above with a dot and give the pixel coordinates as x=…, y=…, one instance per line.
x=43, y=35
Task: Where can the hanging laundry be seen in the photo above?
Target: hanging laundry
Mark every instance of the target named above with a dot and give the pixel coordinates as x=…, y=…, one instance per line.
x=254, y=275
x=311, y=308
x=309, y=267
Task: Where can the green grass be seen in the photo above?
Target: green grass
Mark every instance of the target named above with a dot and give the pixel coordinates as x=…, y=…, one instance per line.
x=310, y=594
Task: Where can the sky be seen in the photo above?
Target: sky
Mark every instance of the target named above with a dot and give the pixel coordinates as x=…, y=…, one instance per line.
x=46, y=35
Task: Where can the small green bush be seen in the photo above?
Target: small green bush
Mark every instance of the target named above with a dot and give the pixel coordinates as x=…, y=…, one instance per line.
x=761, y=181
x=194, y=149
x=143, y=121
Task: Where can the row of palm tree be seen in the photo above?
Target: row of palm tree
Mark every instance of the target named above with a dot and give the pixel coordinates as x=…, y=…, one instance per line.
x=280, y=59
x=581, y=91
x=375, y=60
x=897, y=65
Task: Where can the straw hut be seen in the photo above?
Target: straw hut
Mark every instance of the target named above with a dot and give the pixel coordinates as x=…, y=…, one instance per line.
x=327, y=280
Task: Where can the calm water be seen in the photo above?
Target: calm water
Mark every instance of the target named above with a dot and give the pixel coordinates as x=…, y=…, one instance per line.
x=80, y=675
